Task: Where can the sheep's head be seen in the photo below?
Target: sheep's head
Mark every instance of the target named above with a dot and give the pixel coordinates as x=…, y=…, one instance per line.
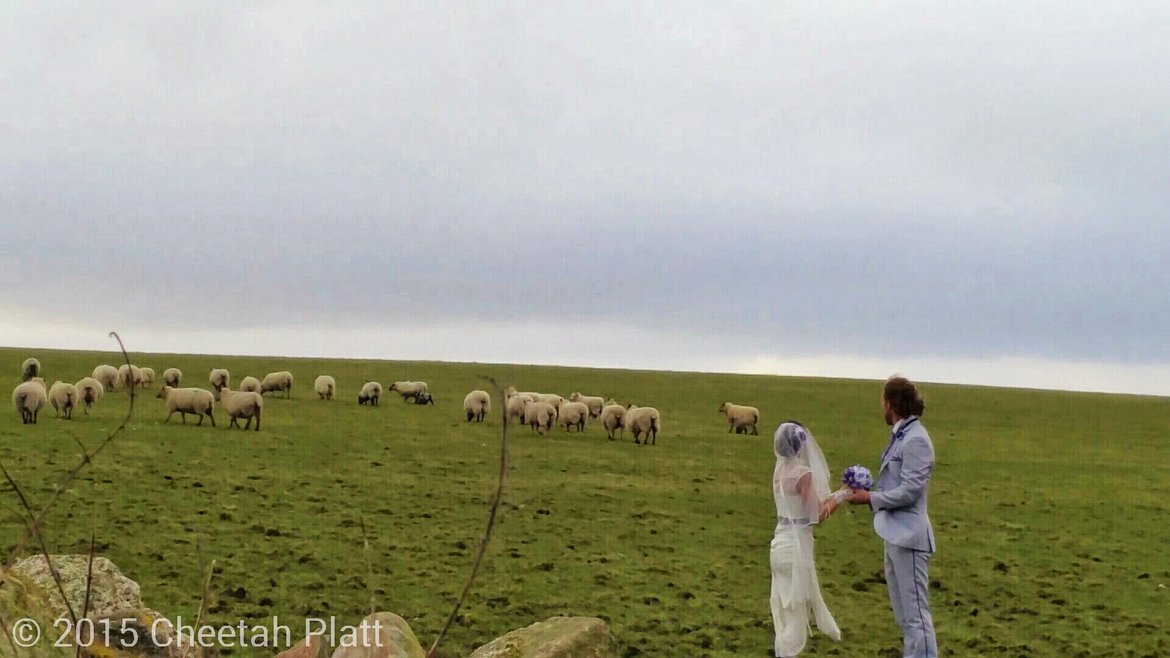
x=164, y=392
x=723, y=407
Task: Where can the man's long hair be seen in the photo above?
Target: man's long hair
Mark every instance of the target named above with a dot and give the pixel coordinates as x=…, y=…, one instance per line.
x=903, y=397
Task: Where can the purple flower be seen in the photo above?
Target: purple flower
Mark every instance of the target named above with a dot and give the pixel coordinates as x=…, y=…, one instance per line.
x=857, y=477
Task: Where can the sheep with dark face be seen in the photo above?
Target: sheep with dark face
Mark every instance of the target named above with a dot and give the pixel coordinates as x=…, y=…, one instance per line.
x=219, y=378
x=277, y=381
x=409, y=390
x=371, y=393
x=424, y=397
x=325, y=386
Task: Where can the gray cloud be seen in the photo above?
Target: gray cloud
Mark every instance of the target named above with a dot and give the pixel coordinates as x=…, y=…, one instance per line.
x=962, y=181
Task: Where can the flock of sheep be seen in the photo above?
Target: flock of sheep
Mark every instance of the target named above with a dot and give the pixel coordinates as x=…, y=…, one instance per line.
x=540, y=411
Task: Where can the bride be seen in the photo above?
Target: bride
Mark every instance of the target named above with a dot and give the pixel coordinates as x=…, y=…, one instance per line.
x=801, y=487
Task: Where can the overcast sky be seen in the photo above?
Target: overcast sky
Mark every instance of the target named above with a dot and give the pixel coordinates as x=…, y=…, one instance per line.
x=973, y=193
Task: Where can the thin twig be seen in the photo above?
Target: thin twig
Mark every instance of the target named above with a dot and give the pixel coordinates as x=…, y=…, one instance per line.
x=202, y=607
x=369, y=567
x=88, y=585
x=34, y=527
x=41, y=540
x=491, y=521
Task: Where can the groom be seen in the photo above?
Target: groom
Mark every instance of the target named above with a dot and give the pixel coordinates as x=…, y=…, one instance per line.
x=899, y=506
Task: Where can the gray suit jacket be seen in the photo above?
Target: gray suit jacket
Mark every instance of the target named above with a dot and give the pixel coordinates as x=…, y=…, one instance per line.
x=899, y=496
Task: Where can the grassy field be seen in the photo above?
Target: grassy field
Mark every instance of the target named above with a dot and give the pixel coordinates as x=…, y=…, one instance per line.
x=1049, y=509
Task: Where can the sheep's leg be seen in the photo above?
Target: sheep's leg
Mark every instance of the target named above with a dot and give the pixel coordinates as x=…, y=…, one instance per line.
x=233, y=423
x=209, y=416
x=258, y=411
x=200, y=424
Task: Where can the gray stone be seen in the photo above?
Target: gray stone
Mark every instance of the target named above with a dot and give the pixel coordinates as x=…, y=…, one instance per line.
x=110, y=590
x=558, y=637
x=382, y=635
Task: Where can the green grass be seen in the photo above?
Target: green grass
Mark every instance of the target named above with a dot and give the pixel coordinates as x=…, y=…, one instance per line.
x=1049, y=509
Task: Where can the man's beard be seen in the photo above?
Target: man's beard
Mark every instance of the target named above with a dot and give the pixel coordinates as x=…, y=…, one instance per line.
x=890, y=418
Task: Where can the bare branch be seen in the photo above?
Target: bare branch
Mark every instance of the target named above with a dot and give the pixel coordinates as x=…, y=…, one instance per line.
x=88, y=585
x=491, y=521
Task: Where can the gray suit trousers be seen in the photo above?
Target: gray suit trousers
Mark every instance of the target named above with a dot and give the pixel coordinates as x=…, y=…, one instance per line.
x=907, y=581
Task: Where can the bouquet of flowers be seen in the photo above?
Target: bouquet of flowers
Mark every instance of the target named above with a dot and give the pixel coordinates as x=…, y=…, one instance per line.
x=857, y=477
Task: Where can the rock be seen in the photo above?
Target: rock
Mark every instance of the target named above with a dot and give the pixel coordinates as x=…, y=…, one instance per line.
x=310, y=647
x=110, y=590
x=21, y=598
x=558, y=637
x=381, y=635
x=138, y=634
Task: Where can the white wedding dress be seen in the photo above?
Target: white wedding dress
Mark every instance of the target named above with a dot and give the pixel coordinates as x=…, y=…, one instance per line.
x=796, y=593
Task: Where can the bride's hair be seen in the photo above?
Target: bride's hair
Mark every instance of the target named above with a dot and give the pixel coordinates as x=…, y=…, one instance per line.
x=790, y=438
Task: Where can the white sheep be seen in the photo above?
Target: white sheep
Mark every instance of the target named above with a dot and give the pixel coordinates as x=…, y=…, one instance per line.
x=371, y=392
x=129, y=376
x=241, y=404
x=147, y=377
x=107, y=376
x=572, y=414
x=29, y=397
x=612, y=419
x=515, y=407
x=250, y=384
x=740, y=417
x=219, y=378
x=89, y=391
x=198, y=401
x=551, y=398
x=325, y=386
x=476, y=405
x=63, y=398
x=172, y=377
x=277, y=381
x=29, y=369
x=409, y=390
x=540, y=416
x=595, y=403
x=643, y=421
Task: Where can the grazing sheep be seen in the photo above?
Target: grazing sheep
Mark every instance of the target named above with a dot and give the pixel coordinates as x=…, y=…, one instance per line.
x=198, y=401
x=740, y=418
x=595, y=403
x=371, y=392
x=325, y=386
x=612, y=419
x=219, y=378
x=551, y=398
x=147, y=377
x=515, y=407
x=172, y=377
x=241, y=404
x=643, y=421
x=573, y=414
x=250, y=384
x=130, y=376
x=107, y=376
x=476, y=405
x=63, y=398
x=409, y=390
x=424, y=398
x=540, y=416
x=29, y=369
x=89, y=391
x=29, y=397
x=277, y=381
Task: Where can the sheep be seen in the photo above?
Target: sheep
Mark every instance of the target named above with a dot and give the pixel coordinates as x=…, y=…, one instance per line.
x=740, y=418
x=147, y=377
x=219, y=378
x=107, y=376
x=29, y=397
x=408, y=390
x=612, y=419
x=424, y=397
x=476, y=405
x=172, y=377
x=198, y=401
x=540, y=415
x=325, y=386
x=277, y=381
x=643, y=421
x=515, y=407
x=573, y=414
x=595, y=403
x=551, y=398
x=63, y=398
x=89, y=390
x=250, y=384
x=29, y=369
x=371, y=392
x=129, y=376
x=241, y=404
